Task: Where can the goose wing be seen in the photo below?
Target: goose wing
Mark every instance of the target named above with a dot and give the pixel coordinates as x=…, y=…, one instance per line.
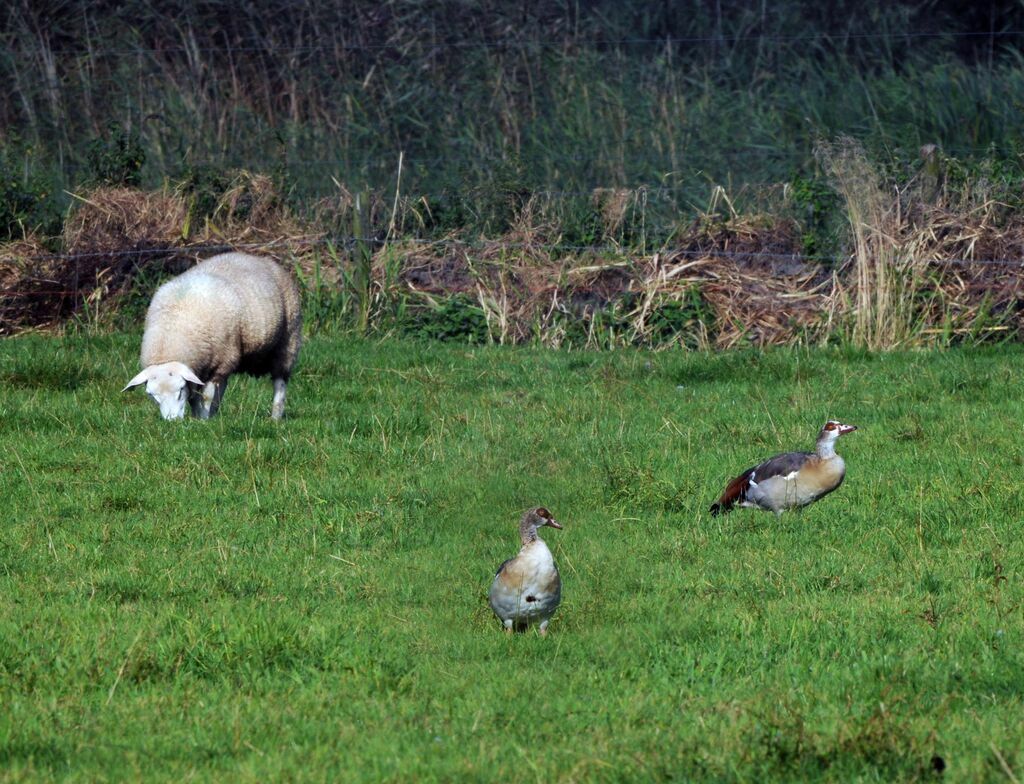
x=780, y=465
x=503, y=565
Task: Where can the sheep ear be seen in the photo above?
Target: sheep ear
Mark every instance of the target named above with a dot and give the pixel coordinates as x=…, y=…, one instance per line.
x=141, y=378
x=183, y=370
x=188, y=375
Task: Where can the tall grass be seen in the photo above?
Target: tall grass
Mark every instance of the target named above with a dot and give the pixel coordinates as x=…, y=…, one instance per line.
x=501, y=98
x=886, y=274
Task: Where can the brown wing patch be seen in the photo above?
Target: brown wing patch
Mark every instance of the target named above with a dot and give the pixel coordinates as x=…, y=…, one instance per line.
x=734, y=493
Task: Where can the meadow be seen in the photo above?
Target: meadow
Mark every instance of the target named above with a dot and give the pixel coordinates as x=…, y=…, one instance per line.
x=306, y=601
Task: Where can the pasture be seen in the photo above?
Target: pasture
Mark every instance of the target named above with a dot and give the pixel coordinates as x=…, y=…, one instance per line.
x=248, y=600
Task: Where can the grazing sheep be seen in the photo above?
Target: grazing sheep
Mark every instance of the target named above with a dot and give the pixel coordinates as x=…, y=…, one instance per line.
x=231, y=313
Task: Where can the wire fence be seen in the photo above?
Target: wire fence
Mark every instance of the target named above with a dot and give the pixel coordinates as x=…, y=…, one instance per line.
x=247, y=45
x=672, y=177
x=767, y=148
x=350, y=241
x=346, y=243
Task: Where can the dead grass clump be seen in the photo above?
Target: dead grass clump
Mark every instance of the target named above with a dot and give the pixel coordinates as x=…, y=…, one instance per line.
x=109, y=233
x=755, y=306
x=509, y=277
x=336, y=213
x=252, y=214
x=740, y=304
x=32, y=292
x=928, y=264
x=975, y=270
x=613, y=205
x=112, y=235
x=108, y=221
x=761, y=242
x=14, y=259
x=252, y=210
x=516, y=281
x=974, y=302
x=436, y=269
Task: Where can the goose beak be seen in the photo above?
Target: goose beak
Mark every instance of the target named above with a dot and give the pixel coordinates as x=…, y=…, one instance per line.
x=844, y=429
x=554, y=523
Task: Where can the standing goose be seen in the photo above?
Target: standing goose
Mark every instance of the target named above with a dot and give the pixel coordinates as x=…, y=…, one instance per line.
x=790, y=480
x=527, y=589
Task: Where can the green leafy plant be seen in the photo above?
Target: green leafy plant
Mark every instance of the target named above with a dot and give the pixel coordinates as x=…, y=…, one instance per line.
x=458, y=318
x=687, y=321
x=115, y=159
x=27, y=204
x=204, y=185
x=818, y=211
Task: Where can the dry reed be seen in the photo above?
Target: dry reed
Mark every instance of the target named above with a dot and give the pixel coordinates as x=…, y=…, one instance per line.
x=885, y=261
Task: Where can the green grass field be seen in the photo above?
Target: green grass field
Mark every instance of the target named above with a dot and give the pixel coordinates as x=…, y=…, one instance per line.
x=239, y=600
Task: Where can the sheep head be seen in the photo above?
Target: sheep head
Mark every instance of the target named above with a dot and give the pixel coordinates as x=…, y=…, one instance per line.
x=167, y=384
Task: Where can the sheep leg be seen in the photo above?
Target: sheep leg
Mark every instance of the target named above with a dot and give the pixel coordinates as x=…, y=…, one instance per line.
x=201, y=402
x=206, y=403
x=195, y=402
x=277, y=410
x=219, y=385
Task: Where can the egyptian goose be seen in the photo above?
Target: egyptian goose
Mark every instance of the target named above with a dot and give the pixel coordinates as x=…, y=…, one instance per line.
x=789, y=480
x=527, y=589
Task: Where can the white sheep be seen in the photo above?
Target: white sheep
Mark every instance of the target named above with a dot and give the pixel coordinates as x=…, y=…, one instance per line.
x=231, y=313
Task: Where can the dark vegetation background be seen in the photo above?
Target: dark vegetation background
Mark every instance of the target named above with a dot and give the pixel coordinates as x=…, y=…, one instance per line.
x=502, y=96
x=643, y=125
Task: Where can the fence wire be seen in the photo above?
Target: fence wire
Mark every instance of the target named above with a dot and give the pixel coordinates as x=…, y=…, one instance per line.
x=346, y=243
x=248, y=45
